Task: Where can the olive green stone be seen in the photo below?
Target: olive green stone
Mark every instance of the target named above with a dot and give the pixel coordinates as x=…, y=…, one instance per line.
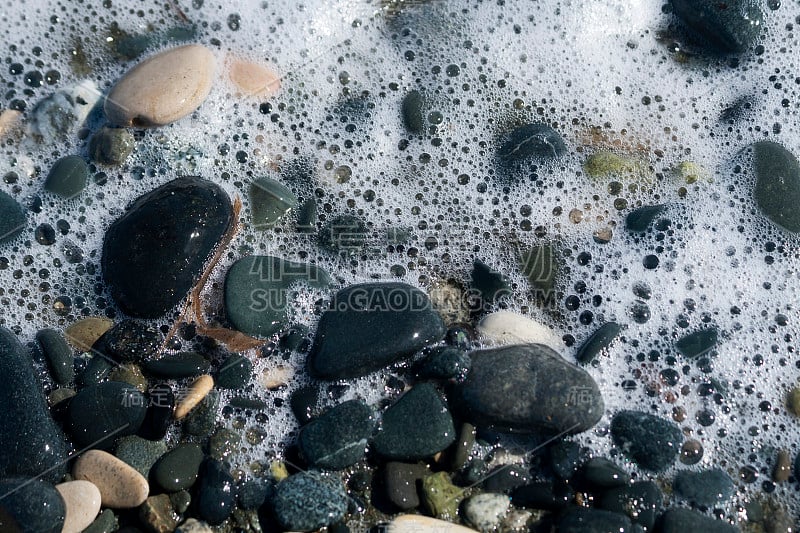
x=178, y=468
x=269, y=201
x=223, y=443
x=68, y=177
x=157, y=515
x=106, y=522
x=604, y=163
x=130, y=374
x=111, y=146
x=440, y=497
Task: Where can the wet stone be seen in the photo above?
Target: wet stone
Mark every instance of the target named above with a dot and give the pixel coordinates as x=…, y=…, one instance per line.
x=417, y=426
x=487, y=283
x=412, y=110
x=307, y=501
x=444, y=363
x=707, y=488
x=97, y=369
x=544, y=495
x=30, y=505
x=203, y=418
x=177, y=365
x=82, y=504
x=777, y=188
x=588, y=520
x=597, y=342
x=12, y=218
x=605, y=474
x=369, y=326
x=401, y=481
x=59, y=355
x=540, y=265
x=106, y=522
x=178, y=469
x=535, y=142
x=528, y=389
x=130, y=374
x=215, y=497
x=678, y=520
x=640, y=219
x=641, y=501
x=697, y=343
x=652, y=442
x=338, y=438
x=344, y=235
x=140, y=453
x=100, y=414
x=269, y=201
x=155, y=252
x=506, y=478
x=723, y=27
x=111, y=146
x=67, y=177
x=31, y=444
x=157, y=515
x=161, y=402
x=253, y=493
x=440, y=497
x=565, y=457
x=257, y=292
x=234, y=372
x=223, y=443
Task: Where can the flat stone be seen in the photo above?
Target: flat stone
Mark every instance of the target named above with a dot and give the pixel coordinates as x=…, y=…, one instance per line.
x=85, y=332
x=641, y=501
x=234, y=373
x=777, y=188
x=155, y=252
x=157, y=515
x=706, y=487
x=253, y=79
x=605, y=474
x=257, y=292
x=270, y=200
x=417, y=426
x=12, y=218
x=369, y=326
x=178, y=469
x=81, y=503
x=507, y=327
x=215, y=496
x=640, y=218
x=651, y=441
x=528, y=388
x=535, y=142
x=67, y=177
x=130, y=341
x=111, y=146
x=163, y=88
x=177, y=365
x=597, y=342
x=100, y=414
x=697, y=343
x=728, y=27
x=31, y=445
x=588, y=520
x=120, y=485
x=565, y=457
x=678, y=520
x=307, y=501
x=59, y=355
x=338, y=438
x=140, y=453
x=97, y=370
x=198, y=390
x=30, y=505
x=401, y=483
x=412, y=523
x=486, y=511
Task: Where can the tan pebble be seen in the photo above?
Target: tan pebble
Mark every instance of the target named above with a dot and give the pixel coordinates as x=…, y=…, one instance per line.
x=9, y=120
x=783, y=467
x=275, y=378
x=199, y=390
x=162, y=88
x=506, y=327
x=84, y=333
x=82, y=504
x=120, y=485
x=411, y=523
x=253, y=79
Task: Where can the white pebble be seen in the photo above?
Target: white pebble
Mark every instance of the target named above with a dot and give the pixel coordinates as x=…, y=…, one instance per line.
x=486, y=511
x=411, y=523
x=505, y=327
x=82, y=503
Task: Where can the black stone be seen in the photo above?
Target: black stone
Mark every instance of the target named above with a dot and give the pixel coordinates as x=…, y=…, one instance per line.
x=203, y=418
x=97, y=369
x=161, y=403
x=307, y=501
x=30, y=506
x=540, y=265
x=679, y=520
x=589, y=520
x=401, y=480
x=697, y=343
x=371, y=325
x=215, y=499
x=597, y=342
x=777, y=188
x=156, y=251
x=31, y=445
x=652, y=442
x=706, y=488
x=724, y=27
x=12, y=218
x=304, y=402
x=177, y=365
x=641, y=501
x=100, y=414
x=565, y=457
x=417, y=426
x=444, y=362
x=129, y=341
x=532, y=141
x=338, y=438
x=413, y=115
x=528, y=389
x=59, y=355
x=234, y=373
x=604, y=474
x=487, y=283
x=506, y=478
x=68, y=176
x=545, y=495
x=253, y=493
x=640, y=219
x=178, y=469
x=307, y=216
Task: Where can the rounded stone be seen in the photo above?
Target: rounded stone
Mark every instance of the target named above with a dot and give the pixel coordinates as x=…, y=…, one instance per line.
x=111, y=146
x=120, y=485
x=58, y=354
x=30, y=505
x=486, y=511
x=215, y=497
x=777, y=188
x=12, y=218
x=178, y=468
x=253, y=79
x=411, y=523
x=507, y=327
x=338, y=438
x=67, y=177
x=707, y=488
x=81, y=502
x=162, y=88
x=234, y=373
x=307, y=501
x=100, y=414
x=652, y=442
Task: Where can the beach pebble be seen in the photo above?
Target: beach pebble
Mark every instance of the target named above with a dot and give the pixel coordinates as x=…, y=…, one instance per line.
x=707, y=487
x=777, y=188
x=401, y=481
x=85, y=332
x=275, y=378
x=193, y=526
x=506, y=327
x=486, y=511
x=411, y=523
x=157, y=514
x=111, y=146
x=162, y=88
x=12, y=218
x=30, y=506
x=177, y=365
x=679, y=520
x=68, y=177
x=641, y=501
x=178, y=469
x=307, y=501
x=253, y=79
x=58, y=354
x=338, y=438
x=651, y=441
x=82, y=504
x=120, y=485
x=100, y=414
x=197, y=391
x=54, y=118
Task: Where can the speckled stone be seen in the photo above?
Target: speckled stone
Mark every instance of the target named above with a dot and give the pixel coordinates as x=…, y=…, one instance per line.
x=120, y=485
x=307, y=501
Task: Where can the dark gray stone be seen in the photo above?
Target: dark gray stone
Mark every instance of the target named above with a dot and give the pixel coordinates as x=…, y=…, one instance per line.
x=401, y=481
x=344, y=235
x=129, y=341
x=412, y=110
x=706, y=488
x=97, y=369
x=234, y=373
x=203, y=418
x=642, y=502
x=111, y=146
x=140, y=453
x=155, y=252
x=697, y=343
x=597, y=342
x=371, y=325
x=253, y=493
x=679, y=520
x=487, y=283
x=777, y=188
x=604, y=474
x=565, y=457
x=531, y=142
x=106, y=522
x=178, y=468
x=444, y=362
x=576, y=519
x=161, y=402
x=68, y=177
x=100, y=414
x=269, y=201
x=651, y=441
x=177, y=365
x=59, y=355
x=417, y=426
x=640, y=219
x=540, y=265
x=528, y=389
x=506, y=478
x=30, y=506
x=31, y=445
x=307, y=501
x=12, y=218
x=724, y=27
x=338, y=438
x=215, y=496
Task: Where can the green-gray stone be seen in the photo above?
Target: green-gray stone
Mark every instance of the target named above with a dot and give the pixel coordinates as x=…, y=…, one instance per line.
x=651, y=441
x=640, y=219
x=536, y=142
x=697, y=343
x=181, y=501
x=177, y=365
x=269, y=201
x=68, y=176
x=234, y=373
x=307, y=216
x=597, y=342
x=724, y=27
x=111, y=146
x=777, y=189
x=12, y=218
x=156, y=514
x=97, y=369
x=178, y=468
x=106, y=522
x=257, y=292
x=58, y=354
x=413, y=116
x=140, y=453
x=203, y=418
x=440, y=497
x=540, y=265
x=308, y=501
x=338, y=438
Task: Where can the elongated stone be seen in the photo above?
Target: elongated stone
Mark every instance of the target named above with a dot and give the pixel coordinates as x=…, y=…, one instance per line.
x=597, y=342
x=777, y=189
x=120, y=485
x=82, y=504
x=177, y=365
x=68, y=177
x=531, y=142
x=12, y=218
x=269, y=201
x=58, y=354
x=156, y=251
x=651, y=441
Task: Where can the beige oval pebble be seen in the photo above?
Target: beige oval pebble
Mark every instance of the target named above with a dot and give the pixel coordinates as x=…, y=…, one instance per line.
x=253, y=79
x=162, y=88
x=412, y=523
x=84, y=333
x=199, y=390
x=82, y=504
x=120, y=485
x=275, y=378
x=506, y=327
